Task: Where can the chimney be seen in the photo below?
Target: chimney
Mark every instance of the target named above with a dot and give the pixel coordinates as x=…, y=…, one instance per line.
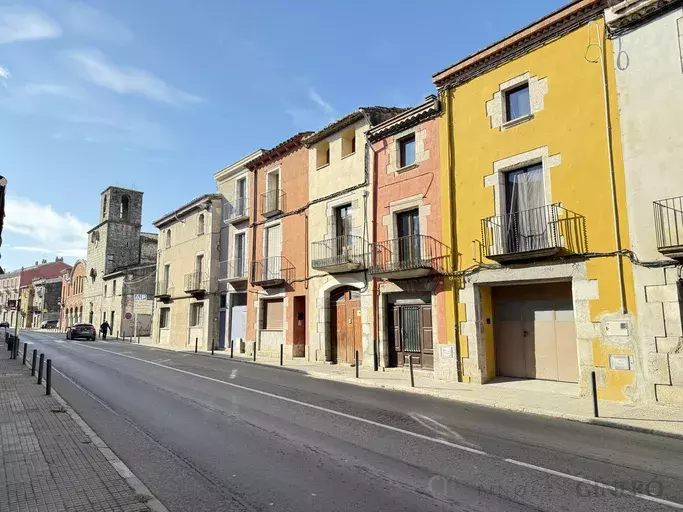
x=36, y=263
x=59, y=260
x=43, y=262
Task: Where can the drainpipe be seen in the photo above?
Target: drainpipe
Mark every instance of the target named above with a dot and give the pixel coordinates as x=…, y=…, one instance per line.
x=602, y=40
x=448, y=102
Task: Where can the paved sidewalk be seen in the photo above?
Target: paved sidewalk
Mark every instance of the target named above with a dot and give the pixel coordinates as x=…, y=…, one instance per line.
x=557, y=400
x=48, y=461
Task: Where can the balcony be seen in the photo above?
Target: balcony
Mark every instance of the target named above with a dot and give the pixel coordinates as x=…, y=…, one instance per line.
x=341, y=254
x=538, y=233
x=669, y=226
x=196, y=283
x=408, y=257
x=233, y=270
x=163, y=290
x=236, y=211
x=273, y=271
x=272, y=203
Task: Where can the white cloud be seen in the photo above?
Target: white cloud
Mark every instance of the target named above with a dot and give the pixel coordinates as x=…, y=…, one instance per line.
x=94, y=66
x=53, y=232
x=82, y=19
x=21, y=23
x=61, y=91
x=4, y=73
x=325, y=107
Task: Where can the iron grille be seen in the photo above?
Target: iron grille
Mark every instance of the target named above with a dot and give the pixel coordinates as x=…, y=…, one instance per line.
x=272, y=202
x=338, y=251
x=275, y=269
x=669, y=223
x=196, y=282
x=232, y=270
x=409, y=252
x=238, y=209
x=410, y=328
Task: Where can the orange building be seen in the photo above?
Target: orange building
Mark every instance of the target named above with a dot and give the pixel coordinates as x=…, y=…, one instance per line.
x=408, y=259
x=73, y=281
x=277, y=291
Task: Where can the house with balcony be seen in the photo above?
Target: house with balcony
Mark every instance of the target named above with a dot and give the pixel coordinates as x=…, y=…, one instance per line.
x=340, y=220
x=235, y=186
x=277, y=251
x=650, y=101
x=407, y=257
x=71, y=305
x=186, y=291
x=532, y=183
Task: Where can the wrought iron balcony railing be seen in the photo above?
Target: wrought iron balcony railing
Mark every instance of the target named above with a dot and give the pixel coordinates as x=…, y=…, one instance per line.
x=536, y=233
x=339, y=254
x=669, y=226
x=272, y=202
x=196, y=282
x=410, y=256
x=232, y=270
x=237, y=210
x=272, y=271
x=163, y=289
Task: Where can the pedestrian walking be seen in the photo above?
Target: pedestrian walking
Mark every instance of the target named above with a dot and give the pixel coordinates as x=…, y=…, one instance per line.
x=104, y=328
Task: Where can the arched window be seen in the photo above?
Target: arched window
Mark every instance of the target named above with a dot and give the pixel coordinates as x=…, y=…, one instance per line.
x=200, y=224
x=124, y=207
x=168, y=238
x=104, y=207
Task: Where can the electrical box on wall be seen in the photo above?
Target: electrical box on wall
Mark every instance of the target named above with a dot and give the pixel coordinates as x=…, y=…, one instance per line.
x=616, y=328
x=621, y=362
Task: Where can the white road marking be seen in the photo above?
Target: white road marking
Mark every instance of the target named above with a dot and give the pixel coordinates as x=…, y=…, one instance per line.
x=423, y=437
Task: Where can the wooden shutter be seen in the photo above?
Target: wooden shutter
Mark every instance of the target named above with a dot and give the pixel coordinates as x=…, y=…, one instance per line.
x=272, y=314
x=427, y=341
x=397, y=328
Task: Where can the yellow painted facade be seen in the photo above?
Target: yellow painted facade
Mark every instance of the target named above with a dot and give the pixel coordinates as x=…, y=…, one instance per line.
x=569, y=124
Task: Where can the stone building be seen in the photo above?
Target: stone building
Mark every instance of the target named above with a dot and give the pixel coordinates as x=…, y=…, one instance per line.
x=73, y=283
x=648, y=64
x=340, y=219
x=47, y=294
x=120, y=266
x=234, y=184
x=187, y=298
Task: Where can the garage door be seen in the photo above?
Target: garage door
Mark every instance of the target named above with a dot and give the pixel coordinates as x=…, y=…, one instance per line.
x=534, y=332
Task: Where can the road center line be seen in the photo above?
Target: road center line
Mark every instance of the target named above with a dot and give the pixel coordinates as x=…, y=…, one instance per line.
x=423, y=437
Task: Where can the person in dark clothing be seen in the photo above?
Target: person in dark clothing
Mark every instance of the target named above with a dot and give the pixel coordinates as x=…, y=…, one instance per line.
x=104, y=328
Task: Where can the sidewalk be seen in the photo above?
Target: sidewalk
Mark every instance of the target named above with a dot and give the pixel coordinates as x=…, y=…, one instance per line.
x=557, y=400
x=50, y=460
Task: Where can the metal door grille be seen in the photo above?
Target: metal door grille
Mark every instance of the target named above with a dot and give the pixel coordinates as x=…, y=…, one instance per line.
x=410, y=328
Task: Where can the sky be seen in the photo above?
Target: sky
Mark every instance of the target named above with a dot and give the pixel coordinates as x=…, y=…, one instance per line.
x=157, y=95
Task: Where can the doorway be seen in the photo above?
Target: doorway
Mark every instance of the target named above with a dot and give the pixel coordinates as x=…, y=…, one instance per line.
x=346, y=326
x=238, y=316
x=299, y=331
x=410, y=335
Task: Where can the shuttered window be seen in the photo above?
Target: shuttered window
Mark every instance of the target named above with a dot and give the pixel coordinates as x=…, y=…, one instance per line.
x=164, y=314
x=271, y=315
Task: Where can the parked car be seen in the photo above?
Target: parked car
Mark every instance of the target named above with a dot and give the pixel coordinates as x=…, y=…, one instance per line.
x=86, y=331
x=4, y=324
x=49, y=324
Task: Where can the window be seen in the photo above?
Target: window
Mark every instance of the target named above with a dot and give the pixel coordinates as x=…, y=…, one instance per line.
x=164, y=318
x=104, y=207
x=343, y=226
x=240, y=256
x=348, y=143
x=271, y=315
x=322, y=154
x=273, y=191
x=168, y=238
x=517, y=102
x=105, y=290
x=406, y=151
x=240, y=197
x=408, y=224
x=196, y=312
x=199, y=264
x=124, y=214
x=113, y=288
x=200, y=224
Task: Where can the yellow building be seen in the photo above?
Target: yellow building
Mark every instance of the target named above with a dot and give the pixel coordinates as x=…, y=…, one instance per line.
x=535, y=188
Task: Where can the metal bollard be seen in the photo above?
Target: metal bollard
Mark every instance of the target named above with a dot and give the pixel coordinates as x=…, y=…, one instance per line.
x=595, y=394
x=40, y=368
x=282, y=354
x=138, y=339
x=213, y=343
x=196, y=342
x=356, y=364
x=375, y=360
x=23, y=359
x=254, y=351
x=412, y=377
x=48, y=377
x=117, y=335
x=232, y=347
x=33, y=362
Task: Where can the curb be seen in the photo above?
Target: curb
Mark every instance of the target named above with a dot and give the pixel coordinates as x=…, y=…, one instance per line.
x=134, y=482
x=418, y=391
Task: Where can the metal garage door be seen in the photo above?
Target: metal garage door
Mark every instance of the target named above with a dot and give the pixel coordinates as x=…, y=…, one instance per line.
x=535, y=334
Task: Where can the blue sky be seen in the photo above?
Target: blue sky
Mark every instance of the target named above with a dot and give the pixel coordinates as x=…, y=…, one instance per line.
x=159, y=94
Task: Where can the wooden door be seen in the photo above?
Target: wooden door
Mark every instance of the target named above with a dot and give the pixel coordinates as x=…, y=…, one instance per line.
x=410, y=334
x=346, y=327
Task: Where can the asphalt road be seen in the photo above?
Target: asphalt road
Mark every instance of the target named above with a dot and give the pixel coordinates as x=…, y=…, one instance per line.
x=211, y=434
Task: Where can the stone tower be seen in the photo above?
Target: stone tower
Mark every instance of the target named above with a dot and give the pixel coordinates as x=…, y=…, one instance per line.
x=112, y=244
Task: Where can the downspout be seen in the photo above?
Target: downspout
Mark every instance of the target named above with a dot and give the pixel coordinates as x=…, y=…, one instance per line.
x=448, y=101
x=602, y=40
x=253, y=223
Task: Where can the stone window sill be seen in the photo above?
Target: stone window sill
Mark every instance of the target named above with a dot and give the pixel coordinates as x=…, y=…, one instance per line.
x=407, y=168
x=515, y=122
x=346, y=156
x=323, y=166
